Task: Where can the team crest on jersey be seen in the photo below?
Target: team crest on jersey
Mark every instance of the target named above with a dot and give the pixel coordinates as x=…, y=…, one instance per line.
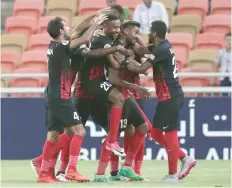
x=152, y=57
x=107, y=46
x=65, y=42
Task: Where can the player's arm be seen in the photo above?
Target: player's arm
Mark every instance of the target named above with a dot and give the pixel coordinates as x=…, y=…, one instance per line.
x=115, y=79
x=100, y=52
x=142, y=50
x=157, y=56
x=88, y=34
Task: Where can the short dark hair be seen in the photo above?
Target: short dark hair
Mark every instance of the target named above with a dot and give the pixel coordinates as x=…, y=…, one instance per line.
x=54, y=27
x=111, y=17
x=160, y=28
x=228, y=34
x=127, y=23
x=118, y=8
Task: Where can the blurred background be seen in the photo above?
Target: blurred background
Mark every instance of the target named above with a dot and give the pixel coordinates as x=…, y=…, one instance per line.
x=199, y=31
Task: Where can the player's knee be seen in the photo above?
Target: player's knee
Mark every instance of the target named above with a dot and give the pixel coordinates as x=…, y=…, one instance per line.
x=53, y=136
x=119, y=99
x=129, y=130
x=143, y=128
x=68, y=131
x=78, y=130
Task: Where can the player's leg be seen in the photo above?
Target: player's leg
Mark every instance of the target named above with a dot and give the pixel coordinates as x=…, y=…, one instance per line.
x=105, y=91
x=166, y=119
x=141, y=129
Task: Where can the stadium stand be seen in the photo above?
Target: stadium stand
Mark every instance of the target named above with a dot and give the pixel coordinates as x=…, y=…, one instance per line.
x=195, y=36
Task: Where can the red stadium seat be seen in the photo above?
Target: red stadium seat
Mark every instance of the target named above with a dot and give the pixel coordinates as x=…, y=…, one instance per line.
x=191, y=82
x=210, y=41
x=129, y=3
x=199, y=7
x=217, y=24
x=29, y=8
x=89, y=7
x=39, y=41
x=35, y=59
x=221, y=7
x=9, y=60
x=26, y=82
x=182, y=44
x=21, y=24
x=43, y=23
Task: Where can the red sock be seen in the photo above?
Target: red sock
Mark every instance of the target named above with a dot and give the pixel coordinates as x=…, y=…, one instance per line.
x=114, y=162
x=133, y=148
x=115, y=117
x=173, y=151
x=139, y=159
x=38, y=159
x=75, y=147
x=127, y=140
x=159, y=137
x=47, y=155
x=104, y=158
x=64, y=152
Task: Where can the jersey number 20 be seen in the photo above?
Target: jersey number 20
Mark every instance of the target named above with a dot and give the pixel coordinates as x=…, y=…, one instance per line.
x=175, y=67
x=106, y=86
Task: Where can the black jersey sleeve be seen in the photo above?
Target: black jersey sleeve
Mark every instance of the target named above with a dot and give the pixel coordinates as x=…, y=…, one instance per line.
x=100, y=42
x=158, y=55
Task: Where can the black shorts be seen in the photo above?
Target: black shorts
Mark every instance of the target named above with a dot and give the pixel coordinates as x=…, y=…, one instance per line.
x=99, y=89
x=140, y=103
x=167, y=113
x=61, y=113
x=99, y=111
x=131, y=115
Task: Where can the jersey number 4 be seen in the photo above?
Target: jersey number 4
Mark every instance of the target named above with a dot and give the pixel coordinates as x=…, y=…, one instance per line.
x=106, y=86
x=75, y=116
x=175, y=67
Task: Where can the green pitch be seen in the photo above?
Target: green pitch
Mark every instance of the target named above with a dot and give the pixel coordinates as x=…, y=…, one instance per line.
x=205, y=174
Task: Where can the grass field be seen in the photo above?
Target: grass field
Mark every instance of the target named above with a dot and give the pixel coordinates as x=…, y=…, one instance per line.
x=205, y=174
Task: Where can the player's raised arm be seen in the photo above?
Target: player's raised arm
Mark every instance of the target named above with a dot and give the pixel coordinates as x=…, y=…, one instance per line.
x=142, y=50
x=115, y=79
x=89, y=33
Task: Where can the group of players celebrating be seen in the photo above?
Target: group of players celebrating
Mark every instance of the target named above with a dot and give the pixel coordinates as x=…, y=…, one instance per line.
x=107, y=55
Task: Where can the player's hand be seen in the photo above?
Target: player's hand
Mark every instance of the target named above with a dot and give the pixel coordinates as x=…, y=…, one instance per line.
x=123, y=50
x=106, y=10
x=142, y=91
x=99, y=19
x=119, y=57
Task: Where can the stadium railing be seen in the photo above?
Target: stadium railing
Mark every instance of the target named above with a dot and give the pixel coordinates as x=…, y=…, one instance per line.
x=211, y=89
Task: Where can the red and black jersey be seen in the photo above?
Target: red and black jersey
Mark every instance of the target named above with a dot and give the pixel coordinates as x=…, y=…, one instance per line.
x=61, y=73
x=79, y=91
x=165, y=71
x=95, y=68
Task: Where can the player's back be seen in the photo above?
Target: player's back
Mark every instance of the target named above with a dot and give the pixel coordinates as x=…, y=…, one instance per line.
x=61, y=75
x=165, y=71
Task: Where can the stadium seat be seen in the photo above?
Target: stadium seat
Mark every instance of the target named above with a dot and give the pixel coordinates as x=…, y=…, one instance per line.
x=26, y=82
x=170, y=6
x=9, y=61
x=181, y=58
x=199, y=7
x=29, y=8
x=36, y=59
x=39, y=41
x=182, y=44
x=221, y=7
x=87, y=7
x=210, y=41
x=203, y=58
x=13, y=42
x=43, y=22
x=78, y=19
x=217, y=24
x=21, y=25
x=62, y=8
x=186, y=24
